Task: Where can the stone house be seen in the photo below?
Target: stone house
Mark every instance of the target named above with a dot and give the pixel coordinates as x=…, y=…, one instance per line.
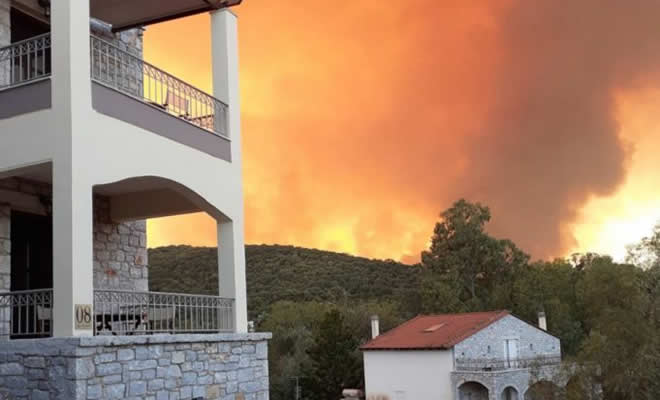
x=94, y=140
x=470, y=356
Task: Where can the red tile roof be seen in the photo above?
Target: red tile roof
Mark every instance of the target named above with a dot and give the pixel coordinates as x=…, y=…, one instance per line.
x=434, y=331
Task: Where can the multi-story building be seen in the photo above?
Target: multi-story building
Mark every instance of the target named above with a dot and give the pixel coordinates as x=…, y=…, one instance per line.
x=94, y=140
x=471, y=356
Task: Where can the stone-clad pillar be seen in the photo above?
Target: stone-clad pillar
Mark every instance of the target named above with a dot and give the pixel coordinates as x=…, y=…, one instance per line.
x=5, y=267
x=5, y=247
x=5, y=39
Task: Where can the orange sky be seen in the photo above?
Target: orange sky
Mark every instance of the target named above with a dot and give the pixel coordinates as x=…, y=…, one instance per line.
x=362, y=122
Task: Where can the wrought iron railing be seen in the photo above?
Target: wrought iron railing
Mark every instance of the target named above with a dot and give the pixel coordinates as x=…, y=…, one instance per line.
x=497, y=364
x=26, y=314
x=119, y=312
x=25, y=61
x=119, y=69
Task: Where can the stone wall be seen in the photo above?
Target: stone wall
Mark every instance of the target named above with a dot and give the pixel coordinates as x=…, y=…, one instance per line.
x=5, y=39
x=5, y=27
x=120, y=251
x=5, y=247
x=532, y=341
x=5, y=266
x=497, y=381
x=159, y=367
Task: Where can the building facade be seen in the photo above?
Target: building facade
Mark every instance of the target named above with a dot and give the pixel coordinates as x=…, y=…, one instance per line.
x=472, y=356
x=95, y=140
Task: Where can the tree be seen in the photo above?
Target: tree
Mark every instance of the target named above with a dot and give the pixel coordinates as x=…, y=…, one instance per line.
x=646, y=253
x=333, y=360
x=463, y=254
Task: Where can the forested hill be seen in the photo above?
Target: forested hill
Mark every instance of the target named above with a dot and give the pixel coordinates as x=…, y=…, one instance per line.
x=277, y=273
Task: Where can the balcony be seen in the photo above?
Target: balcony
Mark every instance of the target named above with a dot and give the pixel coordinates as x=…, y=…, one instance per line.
x=28, y=314
x=493, y=364
x=166, y=105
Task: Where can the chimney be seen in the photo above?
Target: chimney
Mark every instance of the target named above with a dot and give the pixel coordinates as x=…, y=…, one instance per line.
x=543, y=323
x=375, y=326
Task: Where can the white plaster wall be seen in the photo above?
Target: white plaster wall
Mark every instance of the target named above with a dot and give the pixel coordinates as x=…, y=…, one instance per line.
x=408, y=375
x=88, y=149
x=509, y=327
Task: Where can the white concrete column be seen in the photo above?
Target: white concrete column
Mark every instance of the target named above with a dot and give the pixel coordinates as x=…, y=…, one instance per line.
x=231, y=242
x=72, y=191
x=231, y=270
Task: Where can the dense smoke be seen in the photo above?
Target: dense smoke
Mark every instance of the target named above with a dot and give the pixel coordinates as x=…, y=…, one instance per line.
x=362, y=122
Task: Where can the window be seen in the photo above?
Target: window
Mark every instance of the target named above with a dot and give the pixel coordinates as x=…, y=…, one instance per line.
x=531, y=346
x=488, y=349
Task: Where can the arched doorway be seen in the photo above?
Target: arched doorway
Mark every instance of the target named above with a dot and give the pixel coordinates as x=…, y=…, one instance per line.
x=472, y=391
x=509, y=393
x=542, y=390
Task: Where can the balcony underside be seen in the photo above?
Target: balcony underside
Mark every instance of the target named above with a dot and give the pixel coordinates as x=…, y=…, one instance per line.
x=126, y=14
x=115, y=104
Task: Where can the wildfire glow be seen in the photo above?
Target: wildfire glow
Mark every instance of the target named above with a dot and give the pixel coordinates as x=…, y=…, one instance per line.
x=362, y=122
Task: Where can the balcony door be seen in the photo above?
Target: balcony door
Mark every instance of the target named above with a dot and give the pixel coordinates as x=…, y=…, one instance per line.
x=31, y=251
x=511, y=352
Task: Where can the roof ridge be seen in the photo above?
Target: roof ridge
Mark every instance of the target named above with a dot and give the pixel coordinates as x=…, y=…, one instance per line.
x=496, y=317
x=463, y=325
x=393, y=329
x=465, y=313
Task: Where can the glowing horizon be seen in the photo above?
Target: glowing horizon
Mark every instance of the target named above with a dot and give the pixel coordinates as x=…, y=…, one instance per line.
x=362, y=123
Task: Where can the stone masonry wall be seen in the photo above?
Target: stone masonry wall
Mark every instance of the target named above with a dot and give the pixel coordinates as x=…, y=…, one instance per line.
x=5, y=27
x=5, y=265
x=159, y=367
x=120, y=251
x=5, y=39
x=532, y=342
x=5, y=247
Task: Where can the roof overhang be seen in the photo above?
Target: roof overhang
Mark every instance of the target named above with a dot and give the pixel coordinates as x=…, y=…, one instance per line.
x=126, y=14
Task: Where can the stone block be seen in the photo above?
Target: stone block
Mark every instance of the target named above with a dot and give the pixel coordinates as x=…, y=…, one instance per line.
x=155, y=384
x=12, y=368
x=34, y=362
x=125, y=354
x=108, y=369
x=173, y=371
x=94, y=391
x=178, y=357
x=115, y=391
x=137, y=388
x=213, y=392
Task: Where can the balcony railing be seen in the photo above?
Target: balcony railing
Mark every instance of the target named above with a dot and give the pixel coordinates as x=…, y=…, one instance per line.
x=25, y=61
x=26, y=314
x=119, y=69
x=494, y=364
x=126, y=313
x=129, y=74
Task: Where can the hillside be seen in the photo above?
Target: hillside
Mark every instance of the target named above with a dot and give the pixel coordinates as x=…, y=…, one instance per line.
x=277, y=273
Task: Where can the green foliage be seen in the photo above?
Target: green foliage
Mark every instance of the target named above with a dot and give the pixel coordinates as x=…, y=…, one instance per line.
x=285, y=273
x=478, y=266
x=318, y=303
x=333, y=357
